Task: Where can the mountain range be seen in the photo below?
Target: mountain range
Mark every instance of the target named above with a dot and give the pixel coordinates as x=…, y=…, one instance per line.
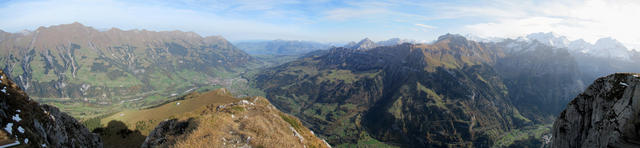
x=73, y=63
x=167, y=88
x=450, y=90
x=367, y=89
x=280, y=47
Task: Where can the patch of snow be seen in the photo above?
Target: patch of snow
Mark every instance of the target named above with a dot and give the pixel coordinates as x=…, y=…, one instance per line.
x=16, y=118
x=326, y=143
x=43, y=145
x=11, y=144
x=295, y=133
x=20, y=129
x=4, y=89
x=18, y=110
x=9, y=128
x=26, y=140
x=624, y=84
x=246, y=102
x=189, y=90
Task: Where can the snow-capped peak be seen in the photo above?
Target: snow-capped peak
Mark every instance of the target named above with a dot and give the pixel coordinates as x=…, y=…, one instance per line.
x=477, y=38
x=365, y=43
x=580, y=45
x=611, y=48
x=604, y=47
x=550, y=39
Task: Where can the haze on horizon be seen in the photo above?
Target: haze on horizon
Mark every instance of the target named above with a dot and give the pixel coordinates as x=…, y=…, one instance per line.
x=338, y=21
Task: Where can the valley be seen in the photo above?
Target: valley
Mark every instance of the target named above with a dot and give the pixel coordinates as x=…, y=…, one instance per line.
x=132, y=86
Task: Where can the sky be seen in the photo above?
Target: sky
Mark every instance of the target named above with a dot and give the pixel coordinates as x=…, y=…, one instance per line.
x=339, y=21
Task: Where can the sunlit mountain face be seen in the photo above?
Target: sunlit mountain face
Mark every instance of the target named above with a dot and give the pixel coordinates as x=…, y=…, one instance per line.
x=364, y=73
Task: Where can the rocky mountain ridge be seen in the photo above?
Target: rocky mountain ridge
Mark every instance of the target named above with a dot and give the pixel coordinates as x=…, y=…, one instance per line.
x=397, y=94
x=73, y=62
x=603, y=48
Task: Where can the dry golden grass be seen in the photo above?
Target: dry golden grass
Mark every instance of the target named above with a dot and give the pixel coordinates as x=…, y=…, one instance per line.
x=254, y=123
x=192, y=103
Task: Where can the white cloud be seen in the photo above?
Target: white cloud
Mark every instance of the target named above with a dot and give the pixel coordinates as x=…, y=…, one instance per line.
x=425, y=26
x=349, y=20
x=130, y=15
x=590, y=20
x=342, y=14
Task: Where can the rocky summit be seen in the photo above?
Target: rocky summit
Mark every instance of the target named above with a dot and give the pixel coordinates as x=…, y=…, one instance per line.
x=27, y=123
x=607, y=114
x=245, y=123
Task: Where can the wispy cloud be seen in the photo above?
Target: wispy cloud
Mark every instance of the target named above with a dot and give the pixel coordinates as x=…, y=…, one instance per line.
x=132, y=15
x=328, y=20
x=425, y=26
x=342, y=14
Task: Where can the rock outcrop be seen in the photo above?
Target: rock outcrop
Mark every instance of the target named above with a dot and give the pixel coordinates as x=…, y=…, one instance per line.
x=25, y=122
x=607, y=114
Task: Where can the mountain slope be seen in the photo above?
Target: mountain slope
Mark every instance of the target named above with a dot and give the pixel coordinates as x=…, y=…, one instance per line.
x=541, y=79
x=398, y=94
x=30, y=124
x=253, y=122
x=146, y=119
x=605, y=115
x=280, y=47
x=75, y=63
x=365, y=43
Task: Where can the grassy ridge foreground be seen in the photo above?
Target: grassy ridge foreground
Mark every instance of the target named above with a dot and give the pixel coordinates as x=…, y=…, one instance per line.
x=146, y=119
x=210, y=116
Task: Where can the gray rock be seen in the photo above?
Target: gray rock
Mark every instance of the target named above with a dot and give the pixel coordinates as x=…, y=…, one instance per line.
x=165, y=132
x=35, y=125
x=607, y=114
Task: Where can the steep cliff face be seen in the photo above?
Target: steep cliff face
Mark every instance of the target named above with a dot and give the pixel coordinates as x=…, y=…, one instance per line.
x=607, y=114
x=541, y=79
x=28, y=123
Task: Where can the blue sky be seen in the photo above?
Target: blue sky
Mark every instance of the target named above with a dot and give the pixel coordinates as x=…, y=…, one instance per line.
x=338, y=21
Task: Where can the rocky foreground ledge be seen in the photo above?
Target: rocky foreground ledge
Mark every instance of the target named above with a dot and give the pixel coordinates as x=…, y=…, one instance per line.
x=606, y=114
x=29, y=124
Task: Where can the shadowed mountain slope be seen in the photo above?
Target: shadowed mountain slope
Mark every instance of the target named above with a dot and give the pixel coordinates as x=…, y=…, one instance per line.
x=30, y=124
